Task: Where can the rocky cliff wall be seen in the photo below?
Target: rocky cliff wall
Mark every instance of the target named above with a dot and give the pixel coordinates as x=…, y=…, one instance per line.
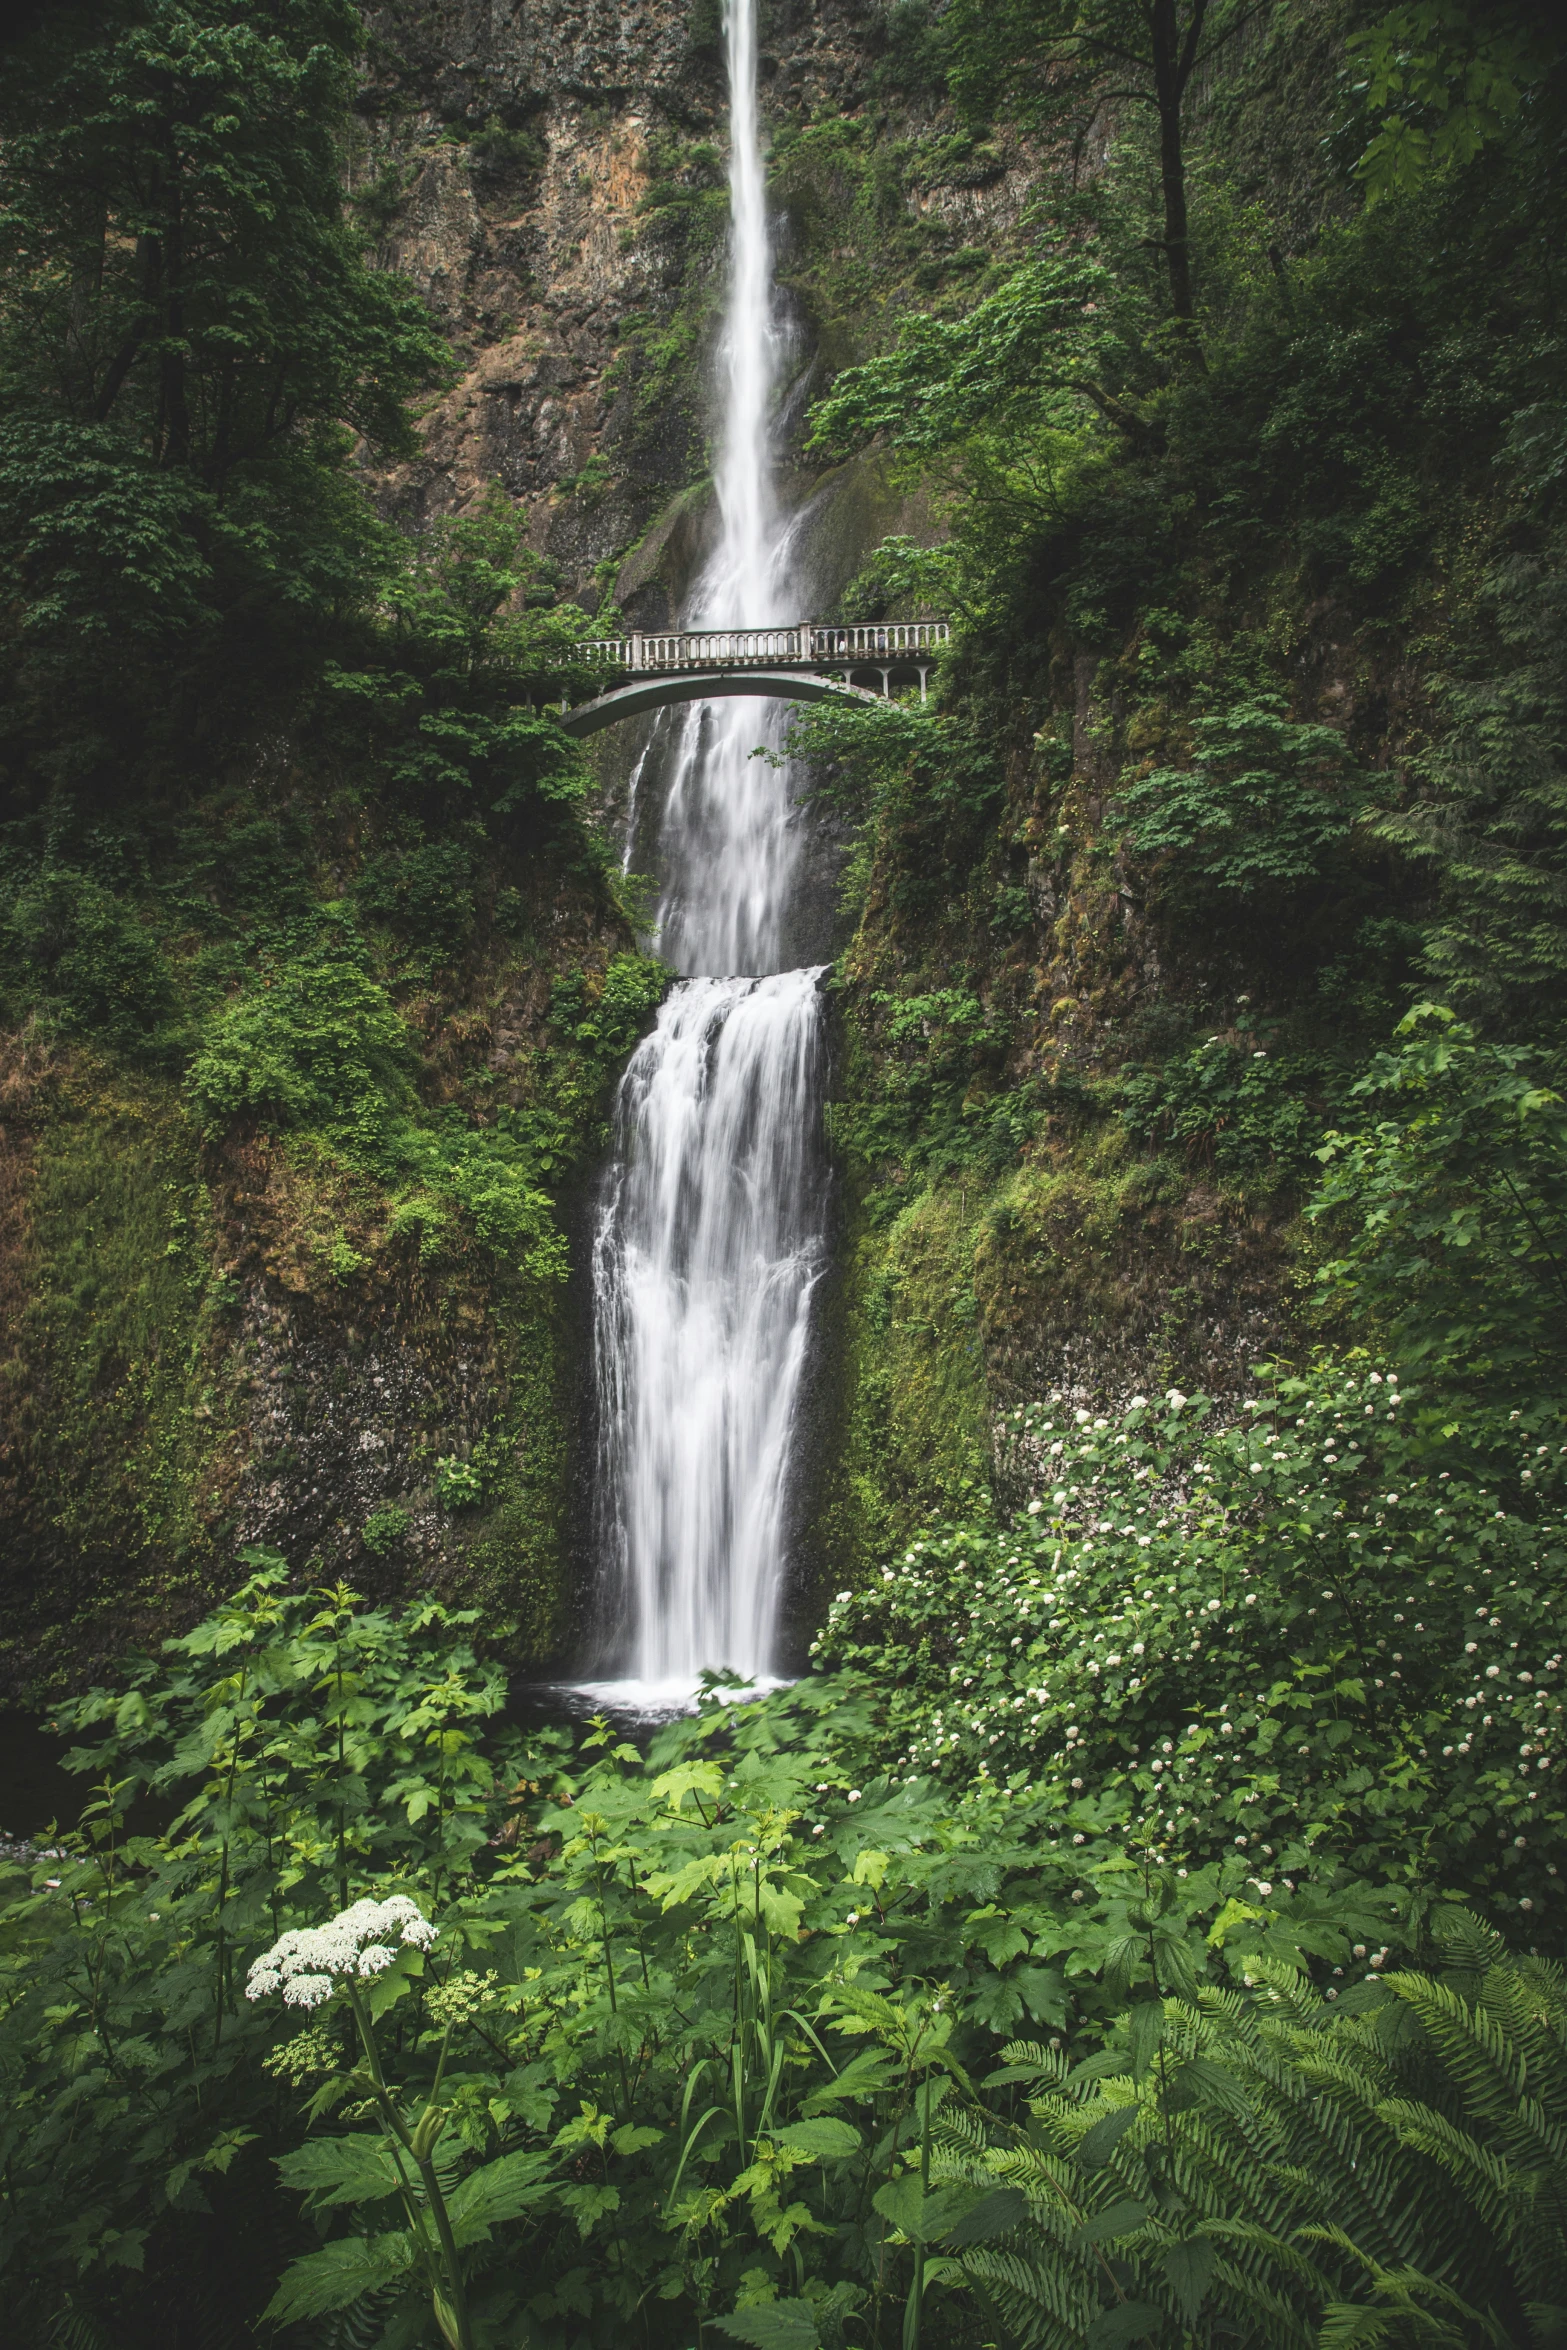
x=551, y=177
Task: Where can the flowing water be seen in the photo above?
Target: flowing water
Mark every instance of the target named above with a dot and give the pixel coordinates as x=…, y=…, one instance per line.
x=710, y=1239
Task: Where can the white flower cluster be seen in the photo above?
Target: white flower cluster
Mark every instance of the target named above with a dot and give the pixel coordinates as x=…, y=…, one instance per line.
x=307, y=1964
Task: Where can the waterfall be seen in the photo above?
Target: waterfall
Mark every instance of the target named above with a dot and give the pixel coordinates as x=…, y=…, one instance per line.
x=709, y=1243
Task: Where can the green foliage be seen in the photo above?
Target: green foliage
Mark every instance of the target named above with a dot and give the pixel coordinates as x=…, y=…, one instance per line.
x=702, y=2036
x=1238, y=1106
x=297, y=1745
x=384, y=1529
x=937, y=1105
x=1330, y=1628
x=1253, y=2164
x=190, y=336
x=315, y=1043
x=1489, y=826
x=1442, y=81
x=1039, y=343
x=474, y=639
x=1453, y=1209
x=458, y=1484
x=500, y=152
x=72, y=947
x=1059, y=62
x=1266, y=803
x=316, y=1047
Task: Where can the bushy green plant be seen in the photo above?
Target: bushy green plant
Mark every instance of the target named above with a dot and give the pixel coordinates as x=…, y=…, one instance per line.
x=1238, y=1105
x=1266, y=802
x=1279, y=2170
x=76, y=950
x=298, y=1748
x=384, y=1529
x=313, y=1042
x=459, y=1485
x=1452, y=1211
x=1330, y=1627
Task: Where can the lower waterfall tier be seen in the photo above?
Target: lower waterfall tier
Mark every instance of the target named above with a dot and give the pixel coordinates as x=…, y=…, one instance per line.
x=709, y=1247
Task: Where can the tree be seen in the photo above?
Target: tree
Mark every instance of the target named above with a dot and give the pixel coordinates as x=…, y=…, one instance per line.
x=1044, y=56
x=179, y=264
x=190, y=340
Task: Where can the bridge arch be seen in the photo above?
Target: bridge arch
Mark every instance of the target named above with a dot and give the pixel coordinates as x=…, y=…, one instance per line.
x=656, y=693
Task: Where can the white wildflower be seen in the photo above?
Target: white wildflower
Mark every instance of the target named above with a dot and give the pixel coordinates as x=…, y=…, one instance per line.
x=307, y=1963
x=301, y=1990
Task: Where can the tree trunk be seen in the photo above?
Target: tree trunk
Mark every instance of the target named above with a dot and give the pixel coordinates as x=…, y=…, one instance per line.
x=1172, y=66
x=175, y=418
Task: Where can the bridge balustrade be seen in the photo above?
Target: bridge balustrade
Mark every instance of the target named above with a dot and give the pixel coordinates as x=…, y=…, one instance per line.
x=808, y=644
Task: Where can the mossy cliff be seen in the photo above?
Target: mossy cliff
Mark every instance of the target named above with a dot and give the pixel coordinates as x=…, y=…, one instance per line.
x=336, y=1324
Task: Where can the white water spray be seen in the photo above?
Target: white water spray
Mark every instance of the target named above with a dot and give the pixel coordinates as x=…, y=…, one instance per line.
x=710, y=1236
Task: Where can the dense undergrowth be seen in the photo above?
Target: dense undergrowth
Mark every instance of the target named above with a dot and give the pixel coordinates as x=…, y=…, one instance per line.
x=1164, y=2012
x=1250, y=742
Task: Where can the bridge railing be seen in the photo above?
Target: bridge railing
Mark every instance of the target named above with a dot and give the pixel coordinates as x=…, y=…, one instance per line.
x=808, y=644
x=879, y=640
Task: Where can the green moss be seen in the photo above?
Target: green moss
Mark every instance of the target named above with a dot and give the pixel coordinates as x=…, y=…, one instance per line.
x=111, y=1395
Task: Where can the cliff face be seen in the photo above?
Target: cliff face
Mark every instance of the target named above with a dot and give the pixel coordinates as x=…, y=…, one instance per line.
x=551, y=177
x=232, y=1339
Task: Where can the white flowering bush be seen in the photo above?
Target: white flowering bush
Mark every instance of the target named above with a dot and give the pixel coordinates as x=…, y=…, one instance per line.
x=310, y=1962
x=1336, y=1622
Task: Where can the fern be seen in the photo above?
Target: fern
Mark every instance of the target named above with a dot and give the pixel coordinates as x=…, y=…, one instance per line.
x=1388, y=2179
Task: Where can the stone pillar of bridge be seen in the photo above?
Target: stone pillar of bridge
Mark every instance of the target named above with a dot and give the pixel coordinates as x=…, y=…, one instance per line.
x=636, y=648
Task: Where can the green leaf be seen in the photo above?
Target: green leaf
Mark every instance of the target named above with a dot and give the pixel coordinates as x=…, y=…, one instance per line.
x=1119, y=2219
x=773, y=2325
x=827, y=2140
x=341, y=2170
x=1188, y=2267
x=338, y=2275
x=1146, y=2029
x=996, y=2211
x=1100, y=2142
x=958, y=2212
x=865, y=2075
x=1127, y=2321
x=497, y=2192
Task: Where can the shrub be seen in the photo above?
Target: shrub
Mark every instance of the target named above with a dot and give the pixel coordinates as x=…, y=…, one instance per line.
x=314, y=1042
x=1452, y=1212
x=1333, y=1627
x=458, y=1484
x=1239, y=1107
x=1264, y=802
x=71, y=946
x=384, y=1529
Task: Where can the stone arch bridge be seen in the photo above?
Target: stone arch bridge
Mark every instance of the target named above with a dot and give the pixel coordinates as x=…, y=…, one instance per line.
x=802, y=663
